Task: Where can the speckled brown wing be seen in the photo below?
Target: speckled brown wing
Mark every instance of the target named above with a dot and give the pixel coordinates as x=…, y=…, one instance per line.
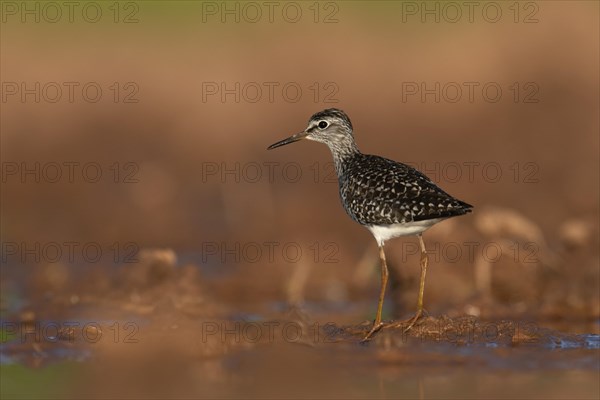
x=378, y=191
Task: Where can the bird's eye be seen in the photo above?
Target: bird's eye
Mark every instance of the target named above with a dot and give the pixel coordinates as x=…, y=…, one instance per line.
x=323, y=124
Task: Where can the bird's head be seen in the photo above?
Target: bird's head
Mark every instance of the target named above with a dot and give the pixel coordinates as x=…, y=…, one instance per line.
x=331, y=126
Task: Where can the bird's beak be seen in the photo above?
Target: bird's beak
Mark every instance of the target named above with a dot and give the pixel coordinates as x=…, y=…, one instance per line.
x=291, y=139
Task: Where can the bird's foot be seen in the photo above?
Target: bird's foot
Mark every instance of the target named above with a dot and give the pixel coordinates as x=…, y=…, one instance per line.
x=376, y=328
x=413, y=320
x=407, y=324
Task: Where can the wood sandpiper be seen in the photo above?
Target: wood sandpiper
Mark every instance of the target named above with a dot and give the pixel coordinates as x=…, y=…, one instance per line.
x=389, y=198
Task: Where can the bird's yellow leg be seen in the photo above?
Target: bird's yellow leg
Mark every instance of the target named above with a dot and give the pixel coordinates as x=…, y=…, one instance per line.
x=377, y=325
x=424, y=264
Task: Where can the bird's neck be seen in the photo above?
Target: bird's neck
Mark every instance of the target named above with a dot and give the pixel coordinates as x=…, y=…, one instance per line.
x=342, y=152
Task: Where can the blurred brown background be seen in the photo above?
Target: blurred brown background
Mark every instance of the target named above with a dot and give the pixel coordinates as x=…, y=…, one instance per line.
x=200, y=173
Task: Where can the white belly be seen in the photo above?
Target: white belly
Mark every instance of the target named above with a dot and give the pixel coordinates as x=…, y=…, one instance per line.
x=386, y=232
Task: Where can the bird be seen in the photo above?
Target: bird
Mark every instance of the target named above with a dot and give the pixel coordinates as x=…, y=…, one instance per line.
x=389, y=198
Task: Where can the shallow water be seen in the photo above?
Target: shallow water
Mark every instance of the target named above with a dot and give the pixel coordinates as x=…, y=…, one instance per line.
x=298, y=357
x=142, y=339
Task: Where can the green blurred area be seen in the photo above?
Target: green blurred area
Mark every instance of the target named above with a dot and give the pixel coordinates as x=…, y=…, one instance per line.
x=52, y=381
